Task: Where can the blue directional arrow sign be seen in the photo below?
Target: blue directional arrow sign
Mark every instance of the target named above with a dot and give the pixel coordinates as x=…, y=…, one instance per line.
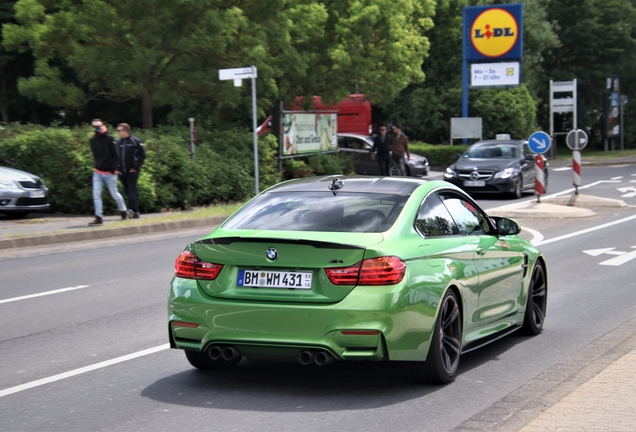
x=539, y=142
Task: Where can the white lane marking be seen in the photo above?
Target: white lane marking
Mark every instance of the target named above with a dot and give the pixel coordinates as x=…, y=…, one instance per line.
x=57, y=291
x=617, y=178
x=585, y=231
x=79, y=371
x=561, y=169
x=565, y=192
x=622, y=259
x=536, y=235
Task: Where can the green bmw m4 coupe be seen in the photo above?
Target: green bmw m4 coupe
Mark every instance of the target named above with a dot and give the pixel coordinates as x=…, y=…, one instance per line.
x=337, y=268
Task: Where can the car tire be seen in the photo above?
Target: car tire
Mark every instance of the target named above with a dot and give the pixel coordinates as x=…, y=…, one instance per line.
x=442, y=360
x=518, y=192
x=17, y=214
x=537, y=301
x=201, y=360
x=392, y=170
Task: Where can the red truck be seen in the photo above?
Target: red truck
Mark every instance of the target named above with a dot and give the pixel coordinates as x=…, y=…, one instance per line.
x=354, y=114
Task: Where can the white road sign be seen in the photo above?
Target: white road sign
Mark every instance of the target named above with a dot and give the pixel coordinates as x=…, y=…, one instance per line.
x=494, y=74
x=240, y=73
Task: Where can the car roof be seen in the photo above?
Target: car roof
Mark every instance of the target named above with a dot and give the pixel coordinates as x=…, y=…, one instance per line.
x=491, y=142
x=364, y=184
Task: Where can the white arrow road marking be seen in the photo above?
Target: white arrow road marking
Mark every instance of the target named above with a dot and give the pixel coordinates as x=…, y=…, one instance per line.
x=597, y=252
x=628, y=192
x=627, y=256
x=542, y=144
x=9, y=300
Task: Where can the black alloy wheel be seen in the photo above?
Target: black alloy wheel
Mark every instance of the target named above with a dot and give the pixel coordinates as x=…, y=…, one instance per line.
x=442, y=361
x=537, y=301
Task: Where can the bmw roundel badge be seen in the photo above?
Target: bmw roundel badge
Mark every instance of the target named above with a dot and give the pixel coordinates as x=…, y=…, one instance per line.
x=272, y=254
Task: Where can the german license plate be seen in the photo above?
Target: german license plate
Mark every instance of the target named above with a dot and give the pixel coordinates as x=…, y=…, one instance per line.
x=274, y=279
x=36, y=194
x=475, y=183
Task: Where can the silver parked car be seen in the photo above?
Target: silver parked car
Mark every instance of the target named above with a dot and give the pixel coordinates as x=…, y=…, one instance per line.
x=21, y=193
x=361, y=145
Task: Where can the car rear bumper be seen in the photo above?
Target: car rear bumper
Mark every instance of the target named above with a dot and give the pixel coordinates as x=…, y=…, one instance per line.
x=362, y=326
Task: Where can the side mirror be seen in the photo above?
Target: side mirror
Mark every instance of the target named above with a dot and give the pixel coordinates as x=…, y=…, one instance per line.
x=506, y=226
x=458, y=155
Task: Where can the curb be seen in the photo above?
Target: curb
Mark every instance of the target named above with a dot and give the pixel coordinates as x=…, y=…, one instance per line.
x=97, y=234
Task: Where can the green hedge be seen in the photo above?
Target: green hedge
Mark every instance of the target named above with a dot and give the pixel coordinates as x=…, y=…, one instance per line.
x=439, y=156
x=223, y=169
x=222, y=172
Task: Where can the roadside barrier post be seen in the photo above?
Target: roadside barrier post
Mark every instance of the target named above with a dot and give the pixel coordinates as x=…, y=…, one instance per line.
x=576, y=140
x=539, y=180
x=576, y=167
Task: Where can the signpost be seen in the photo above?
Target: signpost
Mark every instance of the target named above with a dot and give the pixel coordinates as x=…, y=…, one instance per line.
x=539, y=143
x=576, y=140
x=238, y=75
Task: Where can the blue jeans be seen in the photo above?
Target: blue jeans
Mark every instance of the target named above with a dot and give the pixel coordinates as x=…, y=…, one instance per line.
x=400, y=164
x=110, y=180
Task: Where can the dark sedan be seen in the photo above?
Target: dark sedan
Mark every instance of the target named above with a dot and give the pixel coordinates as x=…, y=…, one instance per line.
x=361, y=146
x=496, y=166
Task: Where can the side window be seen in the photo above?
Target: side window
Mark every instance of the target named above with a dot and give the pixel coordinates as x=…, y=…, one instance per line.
x=526, y=150
x=469, y=220
x=434, y=220
x=357, y=144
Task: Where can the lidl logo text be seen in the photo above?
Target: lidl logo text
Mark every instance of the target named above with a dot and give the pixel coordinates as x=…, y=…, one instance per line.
x=494, y=32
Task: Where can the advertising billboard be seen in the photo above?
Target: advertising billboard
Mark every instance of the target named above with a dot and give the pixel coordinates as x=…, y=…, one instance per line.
x=305, y=133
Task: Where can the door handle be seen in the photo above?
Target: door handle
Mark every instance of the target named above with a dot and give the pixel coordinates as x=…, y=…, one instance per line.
x=480, y=251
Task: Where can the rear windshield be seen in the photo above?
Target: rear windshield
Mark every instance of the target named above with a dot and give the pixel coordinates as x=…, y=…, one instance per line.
x=319, y=211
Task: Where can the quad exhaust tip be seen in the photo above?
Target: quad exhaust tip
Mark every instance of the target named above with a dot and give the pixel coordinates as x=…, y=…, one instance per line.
x=221, y=352
x=317, y=357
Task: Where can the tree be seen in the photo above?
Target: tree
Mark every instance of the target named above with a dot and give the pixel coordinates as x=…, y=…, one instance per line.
x=597, y=39
x=168, y=52
x=425, y=109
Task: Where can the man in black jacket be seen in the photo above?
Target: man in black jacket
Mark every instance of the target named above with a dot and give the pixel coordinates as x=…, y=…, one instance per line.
x=132, y=155
x=106, y=163
x=381, y=148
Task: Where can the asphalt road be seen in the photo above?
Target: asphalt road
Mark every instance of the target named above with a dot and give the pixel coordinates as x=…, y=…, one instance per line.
x=115, y=307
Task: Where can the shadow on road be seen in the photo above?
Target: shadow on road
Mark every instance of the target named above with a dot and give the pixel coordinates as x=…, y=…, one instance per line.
x=258, y=385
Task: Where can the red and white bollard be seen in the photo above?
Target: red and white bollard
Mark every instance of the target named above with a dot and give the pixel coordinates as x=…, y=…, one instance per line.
x=539, y=179
x=576, y=167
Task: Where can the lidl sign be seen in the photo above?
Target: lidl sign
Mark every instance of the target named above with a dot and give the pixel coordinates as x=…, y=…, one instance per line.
x=494, y=32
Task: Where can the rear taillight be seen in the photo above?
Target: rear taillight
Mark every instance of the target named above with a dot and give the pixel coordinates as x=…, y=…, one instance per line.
x=189, y=266
x=374, y=271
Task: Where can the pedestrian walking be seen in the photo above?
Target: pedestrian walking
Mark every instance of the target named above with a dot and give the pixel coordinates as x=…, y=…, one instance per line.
x=399, y=146
x=381, y=149
x=132, y=155
x=106, y=163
